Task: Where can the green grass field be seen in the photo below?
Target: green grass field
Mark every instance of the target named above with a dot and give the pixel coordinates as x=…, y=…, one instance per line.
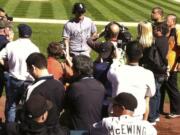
x=119, y=10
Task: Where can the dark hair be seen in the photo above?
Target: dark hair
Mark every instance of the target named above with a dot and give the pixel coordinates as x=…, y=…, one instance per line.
x=159, y=9
x=83, y=65
x=55, y=50
x=134, y=51
x=36, y=59
x=2, y=10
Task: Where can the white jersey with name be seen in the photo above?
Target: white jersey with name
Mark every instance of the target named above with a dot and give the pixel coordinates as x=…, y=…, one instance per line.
x=123, y=125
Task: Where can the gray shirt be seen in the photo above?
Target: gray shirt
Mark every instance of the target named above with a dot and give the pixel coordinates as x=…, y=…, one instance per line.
x=78, y=33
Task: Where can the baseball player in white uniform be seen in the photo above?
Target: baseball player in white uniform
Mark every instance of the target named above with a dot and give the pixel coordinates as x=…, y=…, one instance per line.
x=77, y=31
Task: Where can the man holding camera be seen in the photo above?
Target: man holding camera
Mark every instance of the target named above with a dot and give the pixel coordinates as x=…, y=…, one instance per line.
x=77, y=30
x=106, y=54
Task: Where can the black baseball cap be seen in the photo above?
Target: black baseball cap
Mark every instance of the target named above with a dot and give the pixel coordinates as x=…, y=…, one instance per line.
x=79, y=8
x=125, y=99
x=36, y=106
x=25, y=31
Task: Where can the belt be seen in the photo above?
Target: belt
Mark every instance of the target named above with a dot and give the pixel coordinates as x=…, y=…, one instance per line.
x=79, y=51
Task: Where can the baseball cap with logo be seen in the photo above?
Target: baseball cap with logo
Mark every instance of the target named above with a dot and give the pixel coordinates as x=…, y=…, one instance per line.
x=79, y=8
x=125, y=99
x=36, y=106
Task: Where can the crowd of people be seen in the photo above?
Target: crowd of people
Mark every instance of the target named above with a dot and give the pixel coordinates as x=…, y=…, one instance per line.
x=121, y=92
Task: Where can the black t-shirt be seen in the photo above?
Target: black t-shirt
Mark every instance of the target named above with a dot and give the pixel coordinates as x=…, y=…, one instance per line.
x=54, y=91
x=84, y=100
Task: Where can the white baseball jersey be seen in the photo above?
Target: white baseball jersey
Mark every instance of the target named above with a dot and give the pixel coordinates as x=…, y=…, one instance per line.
x=78, y=33
x=136, y=80
x=123, y=125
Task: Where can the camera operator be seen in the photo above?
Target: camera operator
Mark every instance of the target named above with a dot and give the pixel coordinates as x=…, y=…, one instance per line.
x=105, y=51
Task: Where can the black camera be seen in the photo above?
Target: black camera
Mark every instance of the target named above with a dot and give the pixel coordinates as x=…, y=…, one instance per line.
x=9, y=18
x=124, y=37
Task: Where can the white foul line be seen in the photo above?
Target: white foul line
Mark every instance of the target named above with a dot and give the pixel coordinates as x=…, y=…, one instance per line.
x=56, y=21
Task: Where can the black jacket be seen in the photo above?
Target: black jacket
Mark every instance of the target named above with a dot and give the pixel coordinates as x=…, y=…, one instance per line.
x=84, y=100
x=54, y=91
x=3, y=42
x=33, y=128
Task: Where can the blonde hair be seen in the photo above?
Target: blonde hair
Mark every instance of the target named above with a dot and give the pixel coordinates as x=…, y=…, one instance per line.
x=145, y=34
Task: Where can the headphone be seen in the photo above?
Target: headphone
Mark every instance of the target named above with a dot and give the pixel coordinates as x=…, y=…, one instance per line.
x=108, y=31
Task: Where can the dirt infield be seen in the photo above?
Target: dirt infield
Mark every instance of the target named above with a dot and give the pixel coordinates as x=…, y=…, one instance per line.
x=164, y=127
x=168, y=126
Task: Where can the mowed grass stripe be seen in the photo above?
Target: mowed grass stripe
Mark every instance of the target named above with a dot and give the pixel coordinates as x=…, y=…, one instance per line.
x=59, y=9
x=143, y=8
x=3, y=3
x=134, y=8
x=104, y=10
x=126, y=14
x=167, y=9
x=46, y=10
x=68, y=7
x=167, y=5
x=114, y=10
x=95, y=13
x=21, y=9
x=153, y=4
x=175, y=4
x=143, y=4
x=34, y=10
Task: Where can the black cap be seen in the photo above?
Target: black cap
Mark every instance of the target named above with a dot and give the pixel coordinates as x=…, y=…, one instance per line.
x=24, y=31
x=125, y=99
x=106, y=50
x=79, y=8
x=36, y=106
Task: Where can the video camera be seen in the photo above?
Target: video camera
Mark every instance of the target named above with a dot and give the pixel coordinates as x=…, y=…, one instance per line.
x=124, y=35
